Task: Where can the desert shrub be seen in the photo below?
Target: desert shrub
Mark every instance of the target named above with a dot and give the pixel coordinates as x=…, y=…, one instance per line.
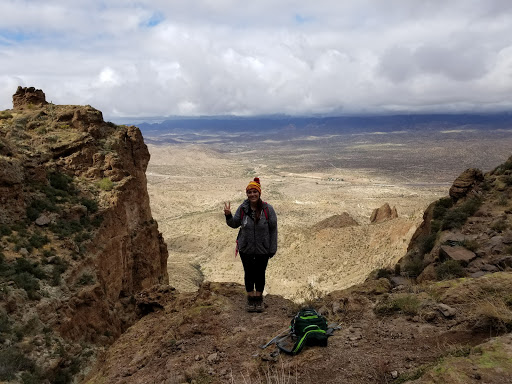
x=5, y=267
x=508, y=250
x=61, y=181
x=105, y=184
x=82, y=236
x=86, y=279
x=37, y=240
x=493, y=315
x=441, y=206
x=5, y=230
x=406, y=304
x=413, y=267
x=24, y=265
x=91, y=205
x=29, y=283
x=435, y=226
x=5, y=115
x=454, y=219
x=65, y=229
x=470, y=206
x=472, y=245
x=60, y=266
x=502, y=199
x=506, y=166
x=13, y=361
x=383, y=273
x=427, y=243
x=450, y=269
x=499, y=225
x=5, y=324
x=38, y=206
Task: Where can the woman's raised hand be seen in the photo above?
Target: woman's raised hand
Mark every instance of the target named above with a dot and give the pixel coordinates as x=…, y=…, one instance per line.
x=227, y=208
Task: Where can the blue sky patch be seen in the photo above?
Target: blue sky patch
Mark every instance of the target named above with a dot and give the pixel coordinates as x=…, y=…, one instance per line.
x=155, y=19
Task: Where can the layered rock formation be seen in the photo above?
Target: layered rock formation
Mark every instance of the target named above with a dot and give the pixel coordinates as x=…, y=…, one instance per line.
x=383, y=213
x=75, y=223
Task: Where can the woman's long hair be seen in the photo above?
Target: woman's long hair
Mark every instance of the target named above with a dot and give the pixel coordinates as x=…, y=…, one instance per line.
x=259, y=207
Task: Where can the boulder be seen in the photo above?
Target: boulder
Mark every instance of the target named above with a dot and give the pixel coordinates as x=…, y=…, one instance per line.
x=456, y=253
x=28, y=96
x=383, y=213
x=465, y=183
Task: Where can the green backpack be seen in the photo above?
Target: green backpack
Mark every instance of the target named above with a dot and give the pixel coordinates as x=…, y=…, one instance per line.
x=306, y=328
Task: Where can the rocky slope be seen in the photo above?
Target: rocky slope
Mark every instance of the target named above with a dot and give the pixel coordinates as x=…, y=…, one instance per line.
x=77, y=239
x=441, y=316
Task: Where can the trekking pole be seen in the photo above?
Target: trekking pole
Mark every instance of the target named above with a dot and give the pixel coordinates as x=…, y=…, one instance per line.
x=287, y=329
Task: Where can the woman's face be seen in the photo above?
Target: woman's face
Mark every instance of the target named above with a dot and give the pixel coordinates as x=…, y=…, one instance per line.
x=253, y=195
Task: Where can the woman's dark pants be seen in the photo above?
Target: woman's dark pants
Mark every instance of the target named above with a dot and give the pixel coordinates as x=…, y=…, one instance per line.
x=254, y=268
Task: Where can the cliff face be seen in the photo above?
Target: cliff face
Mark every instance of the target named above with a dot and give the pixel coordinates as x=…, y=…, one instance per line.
x=77, y=239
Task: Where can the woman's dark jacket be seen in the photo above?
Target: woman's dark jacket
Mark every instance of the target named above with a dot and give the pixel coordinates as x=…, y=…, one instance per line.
x=255, y=238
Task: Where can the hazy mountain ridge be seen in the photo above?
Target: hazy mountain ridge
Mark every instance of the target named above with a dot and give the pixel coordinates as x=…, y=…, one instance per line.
x=325, y=125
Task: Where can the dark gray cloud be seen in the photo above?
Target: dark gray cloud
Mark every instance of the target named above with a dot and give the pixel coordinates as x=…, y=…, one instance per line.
x=205, y=57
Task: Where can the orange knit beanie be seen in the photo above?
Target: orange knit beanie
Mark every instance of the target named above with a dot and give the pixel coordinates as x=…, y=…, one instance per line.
x=255, y=184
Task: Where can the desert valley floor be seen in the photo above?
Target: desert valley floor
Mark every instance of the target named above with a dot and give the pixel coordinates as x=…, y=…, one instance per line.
x=307, y=180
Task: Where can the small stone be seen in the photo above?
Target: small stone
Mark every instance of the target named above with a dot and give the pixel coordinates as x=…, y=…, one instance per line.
x=446, y=310
x=213, y=358
x=43, y=220
x=394, y=374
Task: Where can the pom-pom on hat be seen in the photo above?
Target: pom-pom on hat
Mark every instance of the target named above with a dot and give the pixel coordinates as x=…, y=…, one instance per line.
x=255, y=184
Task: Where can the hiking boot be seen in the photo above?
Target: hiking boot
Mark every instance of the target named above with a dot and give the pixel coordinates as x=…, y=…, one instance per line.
x=251, y=304
x=258, y=304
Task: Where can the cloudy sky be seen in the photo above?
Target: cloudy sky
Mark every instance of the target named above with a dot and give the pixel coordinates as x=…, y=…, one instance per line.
x=214, y=57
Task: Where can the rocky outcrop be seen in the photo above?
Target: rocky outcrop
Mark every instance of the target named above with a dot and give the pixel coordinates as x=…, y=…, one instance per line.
x=77, y=238
x=383, y=213
x=28, y=97
x=468, y=233
x=465, y=183
x=336, y=221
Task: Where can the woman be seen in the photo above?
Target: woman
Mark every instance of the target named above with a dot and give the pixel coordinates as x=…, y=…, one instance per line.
x=256, y=241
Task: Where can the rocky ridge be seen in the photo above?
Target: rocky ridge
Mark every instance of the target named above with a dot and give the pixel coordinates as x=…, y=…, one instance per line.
x=442, y=315
x=77, y=239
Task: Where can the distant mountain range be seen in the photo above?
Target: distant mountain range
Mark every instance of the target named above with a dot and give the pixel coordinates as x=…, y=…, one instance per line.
x=317, y=125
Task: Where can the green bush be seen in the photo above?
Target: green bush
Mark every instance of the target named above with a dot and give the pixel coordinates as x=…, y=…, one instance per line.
x=413, y=267
x=406, y=304
x=5, y=230
x=86, y=279
x=106, y=184
x=38, y=206
x=61, y=181
x=14, y=361
x=500, y=225
x=24, y=265
x=472, y=245
x=29, y=283
x=37, y=240
x=91, y=205
x=427, y=243
x=450, y=269
x=470, y=206
x=454, y=219
x=65, y=229
x=441, y=206
x=59, y=267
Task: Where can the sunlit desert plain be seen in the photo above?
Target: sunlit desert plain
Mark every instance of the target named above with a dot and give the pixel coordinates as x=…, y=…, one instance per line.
x=307, y=179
